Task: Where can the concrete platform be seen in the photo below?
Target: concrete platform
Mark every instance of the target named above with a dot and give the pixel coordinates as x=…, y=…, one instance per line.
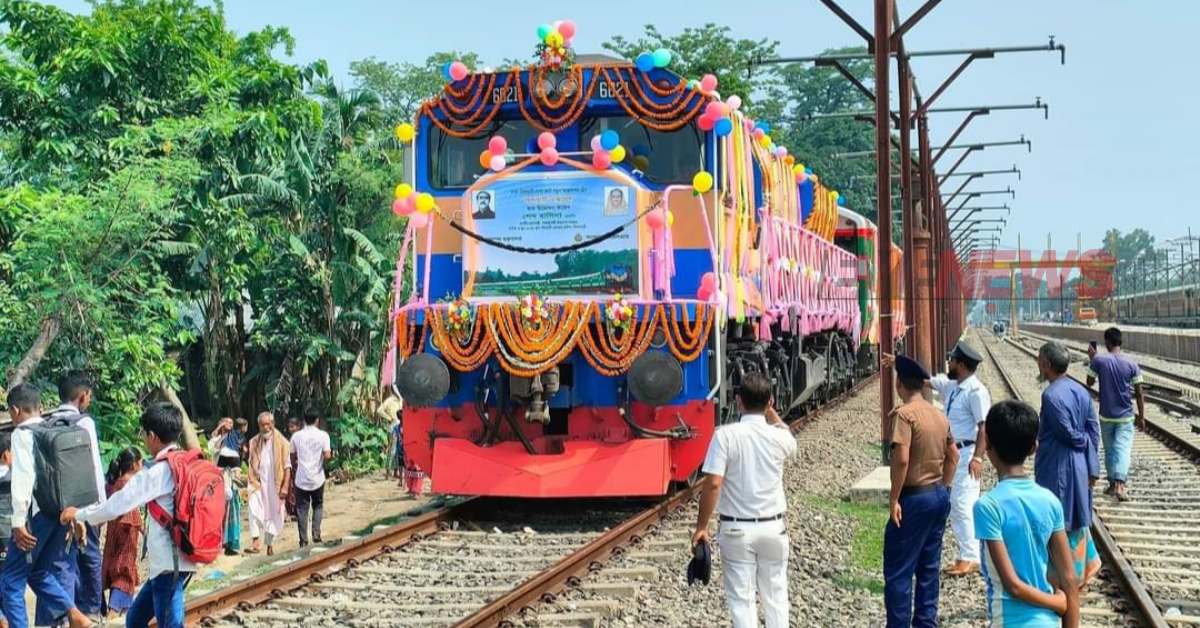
x=1173, y=344
x=874, y=488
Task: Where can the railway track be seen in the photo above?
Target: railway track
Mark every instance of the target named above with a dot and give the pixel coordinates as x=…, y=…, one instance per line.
x=1150, y=545
x=478, y=562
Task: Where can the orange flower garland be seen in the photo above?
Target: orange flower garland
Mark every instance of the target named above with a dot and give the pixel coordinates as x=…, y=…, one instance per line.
x=463, y=356
x=686, y=349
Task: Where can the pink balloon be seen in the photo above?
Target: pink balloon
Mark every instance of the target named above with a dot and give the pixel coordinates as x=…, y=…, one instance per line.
x=801, y=177
x=547, y=140
x=734, y=102
x=601, y=160
x=549, y=156
x=419, y=220
x=402, y=207
x=566, y=28
x=781, y=151
x=716, y=110
x=458, y=70
x=656, y=219
x=706, y=123
x=708, y=82
x=497, y=163
x=596, y=144
x=759, y=133
x=708, y=280
x=497, y=145
x=704, y=293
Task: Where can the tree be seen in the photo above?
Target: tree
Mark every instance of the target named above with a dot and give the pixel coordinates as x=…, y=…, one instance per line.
x=709, y=49
x=402, y=87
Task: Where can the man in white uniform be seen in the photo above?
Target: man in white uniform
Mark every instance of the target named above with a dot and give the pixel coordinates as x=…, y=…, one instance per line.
x=745, y=486
x=311, y=446
x=967, y=403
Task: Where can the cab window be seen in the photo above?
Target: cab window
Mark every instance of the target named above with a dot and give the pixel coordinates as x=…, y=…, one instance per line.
x=671, y=156
x=454, y=162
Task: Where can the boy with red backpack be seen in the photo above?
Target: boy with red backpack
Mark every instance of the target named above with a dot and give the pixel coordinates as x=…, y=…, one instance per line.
x=185, y=495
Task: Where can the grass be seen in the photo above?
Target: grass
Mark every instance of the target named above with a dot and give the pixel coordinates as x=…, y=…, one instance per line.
x=866, y=549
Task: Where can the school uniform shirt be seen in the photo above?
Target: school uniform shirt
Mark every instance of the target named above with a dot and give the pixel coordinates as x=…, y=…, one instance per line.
x=24, y=475
x=153, y=483
x=310, y=445
x=1023, y=515
x=967, y=404
x=89, y=425
x=749, y=454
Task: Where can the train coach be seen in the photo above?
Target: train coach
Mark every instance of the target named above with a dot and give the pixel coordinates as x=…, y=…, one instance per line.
x=620, y=246
x=1175, y=307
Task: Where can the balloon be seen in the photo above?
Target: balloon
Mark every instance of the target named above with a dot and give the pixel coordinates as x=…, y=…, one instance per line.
x=706, y=123
x=693, y=85
x=798, y=169
x=841, y=201
x=446, y=71
x=645, y=62
x=834, y=194
x=808, y=171
x=546, y=140
x=641, y=149
x=403, y=190
x=401, y=207
x=734, y=102
x=766, y=128
x=801, y=178
x=708, y=280
x=723, y=127
x=704, y=294
x=485, y=159
x=531, y=145
x=759, y=134
x=425, y=202
x=566, y=28
x=497, y=145
x=405, y=132
x=661, y=57
x=543, y=31
x=497, y=163
x=459, y=71
x=617, y=154
x=419, y=221
x=601, y=160
x=554, y=40
x=549, y=156
x=656, y=219
x=716, y=109
x=789, y=160
x=708, y=83
x=641, y=162
x=702, y=182
x=596, y=144
x=609, y=140
x=670, y=219
x=764, y=141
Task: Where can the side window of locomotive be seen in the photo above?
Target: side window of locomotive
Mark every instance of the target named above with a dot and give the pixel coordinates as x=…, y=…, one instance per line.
x=671, y=156
x=454, y=162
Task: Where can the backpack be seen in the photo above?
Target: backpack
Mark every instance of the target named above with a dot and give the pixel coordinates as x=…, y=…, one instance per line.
x=64, y=464
x=198, y=526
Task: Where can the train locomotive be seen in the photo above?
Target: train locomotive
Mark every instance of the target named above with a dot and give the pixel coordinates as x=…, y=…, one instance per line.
x=585, y=293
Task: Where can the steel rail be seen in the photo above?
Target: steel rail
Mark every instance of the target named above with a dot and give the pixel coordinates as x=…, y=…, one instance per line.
x=1175, y=377
x=1105, y=543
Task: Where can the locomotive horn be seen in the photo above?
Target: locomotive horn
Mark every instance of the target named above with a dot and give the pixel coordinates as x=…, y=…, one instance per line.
x=655, y=378
x=423, y=380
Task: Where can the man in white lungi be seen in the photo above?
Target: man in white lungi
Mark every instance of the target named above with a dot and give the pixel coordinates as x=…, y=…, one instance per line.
x=967, y=403
x=745, y=486
x=270, y=469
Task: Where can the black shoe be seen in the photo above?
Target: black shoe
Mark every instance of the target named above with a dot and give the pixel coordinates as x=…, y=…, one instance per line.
x=231, y=552
x=303, y=544
x=317, y=540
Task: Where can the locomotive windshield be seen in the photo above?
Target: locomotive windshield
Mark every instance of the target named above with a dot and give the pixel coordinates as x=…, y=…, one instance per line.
x=671, y=156
x=454, y=162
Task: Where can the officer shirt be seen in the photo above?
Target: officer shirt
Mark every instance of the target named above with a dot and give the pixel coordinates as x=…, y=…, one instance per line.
x=966, y=402
x=924, y=428
x=750, y=456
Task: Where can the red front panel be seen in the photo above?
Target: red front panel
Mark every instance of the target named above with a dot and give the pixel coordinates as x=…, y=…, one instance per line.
x=597, y=457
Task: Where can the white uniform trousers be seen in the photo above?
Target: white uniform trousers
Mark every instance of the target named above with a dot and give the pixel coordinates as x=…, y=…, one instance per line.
x=754, y=558
x=963, y=495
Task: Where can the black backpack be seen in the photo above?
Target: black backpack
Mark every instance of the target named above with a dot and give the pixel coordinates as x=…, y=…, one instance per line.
x=66, y=471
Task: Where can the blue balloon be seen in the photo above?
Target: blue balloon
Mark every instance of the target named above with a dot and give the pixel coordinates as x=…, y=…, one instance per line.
x=842, y=201
x=645, y=62
x=641, y=150
x=723, y=127
x=662, y=58
x=609, y=140
x=808, y=171
x=766, y=127
x=446, y=71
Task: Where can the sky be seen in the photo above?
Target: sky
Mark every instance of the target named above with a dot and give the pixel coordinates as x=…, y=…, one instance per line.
x=1117, y=150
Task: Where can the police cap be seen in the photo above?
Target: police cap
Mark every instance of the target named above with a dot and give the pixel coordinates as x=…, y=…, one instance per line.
x=909, y=368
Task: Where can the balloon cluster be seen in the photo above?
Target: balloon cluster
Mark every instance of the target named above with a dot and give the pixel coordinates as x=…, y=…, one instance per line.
x=708, y=287
x=454, y=71
x=548, y=145
x=718, y=116
x=554, y=45
x=607, y=150
x=413, y=205
x=647, y=61
x=801, y=173
x=495, y=157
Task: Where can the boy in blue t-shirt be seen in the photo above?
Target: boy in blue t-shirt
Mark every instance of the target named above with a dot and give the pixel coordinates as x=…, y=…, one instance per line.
x=1021, y=527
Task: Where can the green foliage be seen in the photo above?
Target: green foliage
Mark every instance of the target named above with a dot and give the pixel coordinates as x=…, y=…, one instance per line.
x=362, y=445
x=402, y=87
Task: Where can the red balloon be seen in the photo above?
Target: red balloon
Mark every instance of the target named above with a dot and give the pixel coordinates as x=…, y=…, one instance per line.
x=708, y=280
x=402, y=207
x=549, y=156
x=547, y=140
x=706, y=123
x=601, y=160
x=656, y=219
x=497, y=145
x=704, y=293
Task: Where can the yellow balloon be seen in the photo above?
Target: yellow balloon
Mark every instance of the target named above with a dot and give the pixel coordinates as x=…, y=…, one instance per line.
x=670, y=218
x=424, y=202
x=798, y=169
x=403, y=190
x=617, y=154
x=554, y=40
x=764, y=141
x=834, y=194
x=702, y=182
x=641, y=162
x=405, y=132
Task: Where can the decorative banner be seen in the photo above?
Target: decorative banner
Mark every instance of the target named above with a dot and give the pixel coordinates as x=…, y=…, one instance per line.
x=533, y=211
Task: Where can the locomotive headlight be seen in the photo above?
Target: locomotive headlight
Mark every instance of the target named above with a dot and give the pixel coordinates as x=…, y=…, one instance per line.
x=423, y=380
x=655, y=378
